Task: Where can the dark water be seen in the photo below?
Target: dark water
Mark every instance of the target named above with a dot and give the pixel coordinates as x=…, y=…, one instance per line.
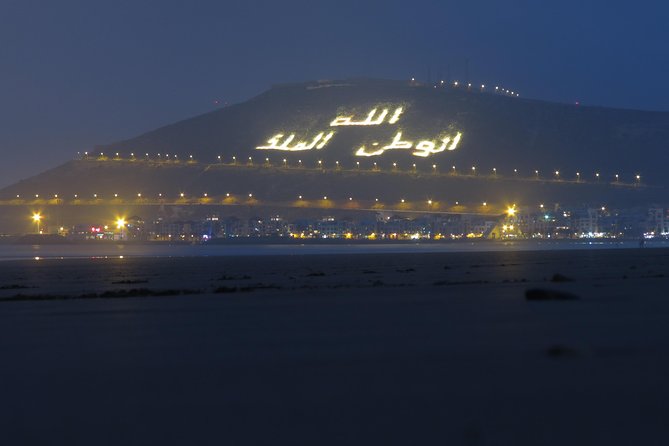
x=15, y=252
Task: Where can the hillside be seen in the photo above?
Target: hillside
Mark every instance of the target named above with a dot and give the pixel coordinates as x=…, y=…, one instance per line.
x=498, y=131
x=448, y=144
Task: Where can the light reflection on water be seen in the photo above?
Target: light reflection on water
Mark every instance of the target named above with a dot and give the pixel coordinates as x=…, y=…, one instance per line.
x=41, y=252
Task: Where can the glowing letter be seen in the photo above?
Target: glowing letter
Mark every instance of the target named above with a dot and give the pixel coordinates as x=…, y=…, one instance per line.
x=369, y=120
x=325, y=141
x=318, y=142
x=424, y=148
x=273, y=142
x=396, y=144
x=427, y=148
x=396, y=116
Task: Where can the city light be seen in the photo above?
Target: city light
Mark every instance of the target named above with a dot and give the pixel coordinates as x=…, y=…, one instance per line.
x=37, y=218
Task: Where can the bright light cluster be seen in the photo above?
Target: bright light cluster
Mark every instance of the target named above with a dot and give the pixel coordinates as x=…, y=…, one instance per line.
x=318, y=142
x=370, y=120
x=422, y=148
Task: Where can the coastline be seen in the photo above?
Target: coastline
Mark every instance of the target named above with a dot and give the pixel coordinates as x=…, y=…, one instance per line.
x=10, y=252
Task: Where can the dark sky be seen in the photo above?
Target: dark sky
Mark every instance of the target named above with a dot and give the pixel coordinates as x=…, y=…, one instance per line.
x=78, y=73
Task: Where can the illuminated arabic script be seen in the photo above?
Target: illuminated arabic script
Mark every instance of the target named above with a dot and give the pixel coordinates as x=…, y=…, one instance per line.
x=318, y=142
x=377, y=116
x=371, y=119
x=423, y=148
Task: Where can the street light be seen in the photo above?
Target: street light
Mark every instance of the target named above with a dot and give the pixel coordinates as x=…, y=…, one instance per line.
x=37, y=218
x=120, y=225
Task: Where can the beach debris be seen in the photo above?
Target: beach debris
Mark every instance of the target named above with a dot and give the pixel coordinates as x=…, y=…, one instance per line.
x=246, y=289
x=242, y=277
x=110, y=294
x=405, y=270
x=459, y=282
x=561, y=351
x=145, y=292
x=315, y=274
x=129, y=281
x=540, y=294
x=514, y=280
x=557, y=277
x=13, y=286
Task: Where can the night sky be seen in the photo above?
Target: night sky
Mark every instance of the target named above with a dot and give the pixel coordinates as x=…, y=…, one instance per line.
x=74, y=74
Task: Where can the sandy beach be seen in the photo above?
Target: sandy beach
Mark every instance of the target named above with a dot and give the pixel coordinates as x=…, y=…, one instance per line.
x=414, y=348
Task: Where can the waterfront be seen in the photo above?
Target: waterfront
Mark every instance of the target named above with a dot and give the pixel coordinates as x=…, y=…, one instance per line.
x=120, y=249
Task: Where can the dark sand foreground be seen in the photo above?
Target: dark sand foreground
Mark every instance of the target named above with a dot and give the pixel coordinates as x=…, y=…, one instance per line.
x=365, y=349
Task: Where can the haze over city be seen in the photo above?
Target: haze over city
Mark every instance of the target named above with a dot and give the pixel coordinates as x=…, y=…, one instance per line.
x=76, y=74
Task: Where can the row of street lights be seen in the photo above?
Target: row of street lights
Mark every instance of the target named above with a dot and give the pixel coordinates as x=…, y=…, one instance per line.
x=470, y=87
x=474, y=171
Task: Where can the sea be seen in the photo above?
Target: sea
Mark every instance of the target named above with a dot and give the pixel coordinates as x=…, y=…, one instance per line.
x=10, y=252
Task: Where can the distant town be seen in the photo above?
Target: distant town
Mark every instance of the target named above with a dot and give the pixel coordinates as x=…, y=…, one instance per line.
x=516, y=223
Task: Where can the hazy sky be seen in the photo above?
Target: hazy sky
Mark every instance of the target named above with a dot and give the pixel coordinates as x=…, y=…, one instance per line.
x=78, y=73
